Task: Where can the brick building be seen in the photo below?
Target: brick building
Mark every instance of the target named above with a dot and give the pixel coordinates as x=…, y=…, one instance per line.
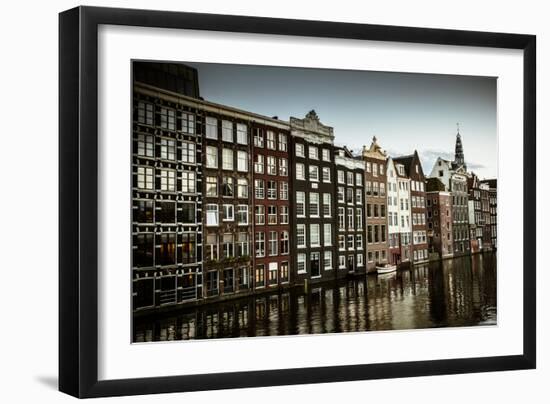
x=413, y=170
x=439, y=219
x=376, y=205
x=271, y=190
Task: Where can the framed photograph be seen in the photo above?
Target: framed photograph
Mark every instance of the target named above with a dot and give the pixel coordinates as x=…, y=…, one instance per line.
x=251, y=202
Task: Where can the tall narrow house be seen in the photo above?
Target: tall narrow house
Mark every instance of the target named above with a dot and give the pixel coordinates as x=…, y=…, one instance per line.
x=350, y=212
x=376, y=205
x=413, y=170
x=312, y=200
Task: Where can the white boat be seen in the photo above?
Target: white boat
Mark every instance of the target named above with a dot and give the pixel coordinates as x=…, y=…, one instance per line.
x=386, y=268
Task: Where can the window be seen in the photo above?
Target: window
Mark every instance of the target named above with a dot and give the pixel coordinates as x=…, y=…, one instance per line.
x=188, y=182
x=285, y=246
x=368, y=187
x=167, y=180
x=283, y=271
x=341, y=242
x=272, y=214
x=313, y=204
x=273, y=242
x=260, y=244
x=271, y=165
x=259, y=164
x=283, y=166
x=341, y=177
x=300, y=204
x=326, y=174
x=327, y=234
x=359, y=218
x=228, y=187
x=313, y=152
x=227, y=245
x=283, y=191
x=166, y=249
x=271, y=143
x=382, y=189
x=326, y=155
x=227, y=159
x=145, y=113
x=145, y=145
x=351, y=240
x=211, y=157
x=212, y=215
x=300, y=150
x=300, y=171
x=227, y=131
x=260, y=276
x=341, y=194
x=211, y=186
x=145, y=177
x=314, y=237
x=168, y=119
x=187, y=123
x=341, y=261
x=349, y=196
x=349, y=178
x=242, y=244
x=374, y=170
x=272, y=279
x=368, y=167
x=327, y=210
x=313, y=173
x=283, y=142
x=211, y=247
x=167, y=149
x=259, y=214
x=242, y=161
x=143, y=211
x=188, y=152
x=358, y=179
x=350, y=218
x=259, y=189
x=301, y=235
x=301, y=263
x=369, y=233
x=271, y=189
x=359, y=196
x=327, y=261
x=258, y=138
x=228, y=213
x=359, y=242
x=242, y=188
x=360, y=260
x=341, y=219
x=284, y=214
x=165, y=212
x=211, y=128
x=242, y=137
x=242, y=215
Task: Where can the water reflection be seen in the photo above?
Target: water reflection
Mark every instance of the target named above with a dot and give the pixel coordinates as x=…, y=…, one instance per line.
x=457, y=292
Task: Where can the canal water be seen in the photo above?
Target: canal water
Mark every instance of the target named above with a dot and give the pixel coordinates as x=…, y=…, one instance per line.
x=452, y=293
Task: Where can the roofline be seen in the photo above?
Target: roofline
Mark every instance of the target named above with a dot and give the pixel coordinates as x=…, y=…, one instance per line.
x=214, y=107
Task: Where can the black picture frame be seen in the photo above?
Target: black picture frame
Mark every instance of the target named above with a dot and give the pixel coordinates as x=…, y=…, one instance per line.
x=78, y=201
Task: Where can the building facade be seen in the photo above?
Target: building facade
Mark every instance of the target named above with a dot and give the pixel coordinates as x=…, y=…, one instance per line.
x=350, y=211
x=312, y=200
x=439, y=219
x=376, y=205
x=271, y=208
x=399, y=213
x=166, y=199
x=492, y=184
x=413, y=170
x=479, y=216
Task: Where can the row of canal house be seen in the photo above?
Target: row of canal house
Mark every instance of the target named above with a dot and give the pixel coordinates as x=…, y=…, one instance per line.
x=228, y=202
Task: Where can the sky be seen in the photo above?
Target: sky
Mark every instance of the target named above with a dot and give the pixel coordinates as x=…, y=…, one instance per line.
x=404, y=111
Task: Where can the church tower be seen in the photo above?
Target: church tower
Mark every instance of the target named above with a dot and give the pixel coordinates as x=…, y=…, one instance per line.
x=459, y=152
